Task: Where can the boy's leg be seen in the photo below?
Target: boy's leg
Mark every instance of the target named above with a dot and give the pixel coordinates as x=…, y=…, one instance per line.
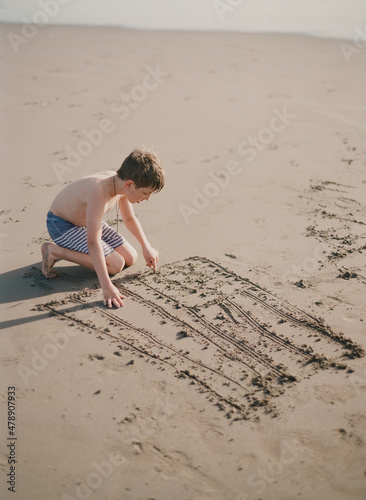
x=51, y=253
x=128, y=253
x=118, y=242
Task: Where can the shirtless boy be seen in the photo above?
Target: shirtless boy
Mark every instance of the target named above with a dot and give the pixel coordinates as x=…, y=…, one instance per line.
x=75, y=221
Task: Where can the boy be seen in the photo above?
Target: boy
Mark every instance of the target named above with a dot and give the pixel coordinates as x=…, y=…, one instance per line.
x=80, y=234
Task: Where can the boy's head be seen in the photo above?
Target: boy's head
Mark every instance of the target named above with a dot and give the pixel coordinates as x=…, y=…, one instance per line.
x=143, y=167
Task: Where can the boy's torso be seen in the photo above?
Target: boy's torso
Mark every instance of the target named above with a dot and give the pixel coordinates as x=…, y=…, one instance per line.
x=72, y=202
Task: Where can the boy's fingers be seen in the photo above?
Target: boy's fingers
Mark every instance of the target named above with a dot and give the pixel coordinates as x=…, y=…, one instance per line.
x=152, y=264
x=118, y=302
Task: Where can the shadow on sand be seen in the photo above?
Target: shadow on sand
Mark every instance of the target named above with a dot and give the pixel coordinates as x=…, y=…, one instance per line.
x=28, y=282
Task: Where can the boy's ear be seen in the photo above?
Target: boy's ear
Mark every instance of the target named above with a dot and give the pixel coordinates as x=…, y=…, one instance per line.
x=129, y=184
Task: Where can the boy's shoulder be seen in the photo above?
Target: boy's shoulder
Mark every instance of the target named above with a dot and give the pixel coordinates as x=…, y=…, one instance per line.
x=92, y=186
x=94, y=182
x=98, y=176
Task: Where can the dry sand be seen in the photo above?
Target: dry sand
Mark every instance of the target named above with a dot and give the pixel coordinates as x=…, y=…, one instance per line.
x=237, y=371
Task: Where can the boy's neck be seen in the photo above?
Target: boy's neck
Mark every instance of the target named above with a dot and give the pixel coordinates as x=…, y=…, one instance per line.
x=118, y=187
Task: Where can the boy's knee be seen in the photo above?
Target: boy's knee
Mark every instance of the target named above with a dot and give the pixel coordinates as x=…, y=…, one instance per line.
x=131, y=258
x=115, y=266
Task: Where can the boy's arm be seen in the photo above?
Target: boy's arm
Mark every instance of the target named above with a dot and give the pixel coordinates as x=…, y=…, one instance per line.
x=94, y=214
x=133, y=225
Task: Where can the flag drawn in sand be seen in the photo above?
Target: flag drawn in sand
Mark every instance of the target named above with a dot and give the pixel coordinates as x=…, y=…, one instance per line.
x=239, y=344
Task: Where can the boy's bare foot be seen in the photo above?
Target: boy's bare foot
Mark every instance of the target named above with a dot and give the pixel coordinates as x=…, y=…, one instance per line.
x=47, y=261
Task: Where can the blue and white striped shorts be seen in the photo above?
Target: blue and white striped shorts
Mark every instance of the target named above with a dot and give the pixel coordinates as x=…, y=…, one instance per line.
x=65, y=234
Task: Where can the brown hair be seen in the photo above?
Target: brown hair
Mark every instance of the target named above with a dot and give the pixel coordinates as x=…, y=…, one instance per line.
x=143, y=167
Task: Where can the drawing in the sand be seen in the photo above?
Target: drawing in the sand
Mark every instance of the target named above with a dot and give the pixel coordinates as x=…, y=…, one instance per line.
x=240, y=344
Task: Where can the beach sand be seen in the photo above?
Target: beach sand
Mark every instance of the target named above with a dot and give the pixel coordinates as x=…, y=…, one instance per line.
x=237, y=371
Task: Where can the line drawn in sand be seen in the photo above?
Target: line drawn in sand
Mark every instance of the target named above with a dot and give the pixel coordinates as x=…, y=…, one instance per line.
x=238, y=343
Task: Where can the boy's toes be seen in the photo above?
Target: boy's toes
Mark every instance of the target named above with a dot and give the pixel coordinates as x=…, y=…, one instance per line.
x=51, y=274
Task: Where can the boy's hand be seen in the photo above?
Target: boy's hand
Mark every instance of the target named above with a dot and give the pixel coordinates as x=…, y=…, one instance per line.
x=112, y=296
x=152, y=257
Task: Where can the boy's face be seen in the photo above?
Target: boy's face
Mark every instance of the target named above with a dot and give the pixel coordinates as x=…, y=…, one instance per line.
x=137, y=195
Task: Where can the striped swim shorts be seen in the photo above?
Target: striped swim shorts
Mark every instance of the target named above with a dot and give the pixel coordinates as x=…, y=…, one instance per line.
x=65, y=234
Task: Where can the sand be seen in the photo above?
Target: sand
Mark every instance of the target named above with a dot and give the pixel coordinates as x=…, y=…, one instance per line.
x=238, y=370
